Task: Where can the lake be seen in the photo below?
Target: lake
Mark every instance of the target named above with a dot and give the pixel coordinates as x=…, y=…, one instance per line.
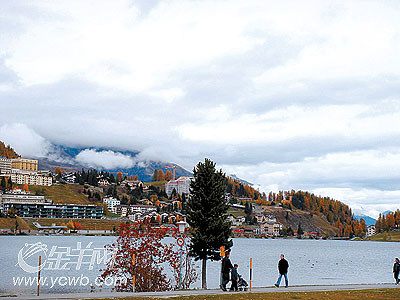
x=311, y=262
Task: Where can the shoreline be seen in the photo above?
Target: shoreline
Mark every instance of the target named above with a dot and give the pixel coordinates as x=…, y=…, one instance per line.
x=200, y=292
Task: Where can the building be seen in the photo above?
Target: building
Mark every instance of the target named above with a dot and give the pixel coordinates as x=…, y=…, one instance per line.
x=370, y=230
x=102, y=181
x=181, y=186
x=111, y=202
x=30, y=177
x=24, y=164
x=68, y=211
x=138, y=216
x=22, y=197
x=133, y=184
x=142, y=208
x=126, y=210
x=262, y=218
x=5, y=165
x=236, y=221
x=68, y=177
x=271, y=228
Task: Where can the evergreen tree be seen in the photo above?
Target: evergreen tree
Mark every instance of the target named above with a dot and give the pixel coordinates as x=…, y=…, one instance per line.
x=3, y=183
x=9, y=184
x=206, y=210
x=155, y=176
x=300, y=231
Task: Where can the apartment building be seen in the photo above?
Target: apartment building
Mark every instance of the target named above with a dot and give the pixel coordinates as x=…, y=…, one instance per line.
x=5, y=165
x=125, y=210
x=24, y=164
x=111, y=202
x=30, y=177
x=271, y=228
x=22, y=197
x=181, y=186
x=69, y=211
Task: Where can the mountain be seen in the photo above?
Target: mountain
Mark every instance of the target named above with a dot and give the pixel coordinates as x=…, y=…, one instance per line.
x=106, y=159
x=368, y=220
x=234, y=177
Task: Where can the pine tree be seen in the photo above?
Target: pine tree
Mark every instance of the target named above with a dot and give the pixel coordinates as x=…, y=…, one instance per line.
x=300, y=231
x=207, y=214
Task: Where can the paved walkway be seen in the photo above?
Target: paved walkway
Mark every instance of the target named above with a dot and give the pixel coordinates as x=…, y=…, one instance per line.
x=303, y=288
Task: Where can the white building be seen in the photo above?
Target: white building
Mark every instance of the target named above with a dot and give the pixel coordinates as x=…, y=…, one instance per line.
x=126, y=210
x=139, y=216
x=22, y=197
x=181, y=185
x=68, y=177
x=271, y=228
x=5, y=165
x=111, y=202
x=236, y=221
x=371, y=230
x=30, y=177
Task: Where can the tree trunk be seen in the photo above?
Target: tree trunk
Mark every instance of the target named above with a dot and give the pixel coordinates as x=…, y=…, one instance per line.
x=204, y=274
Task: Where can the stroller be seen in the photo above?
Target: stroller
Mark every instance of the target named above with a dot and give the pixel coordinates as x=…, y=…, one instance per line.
x=242, y=284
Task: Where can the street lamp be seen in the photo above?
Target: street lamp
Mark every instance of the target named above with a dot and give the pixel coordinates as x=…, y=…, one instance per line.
x=181, y=226
x=181, y=241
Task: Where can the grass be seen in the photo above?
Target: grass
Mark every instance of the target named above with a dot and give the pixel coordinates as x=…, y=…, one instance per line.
x=236, y=212
x=87, y=224
x=159, y=184
x=393, y=236
x=62, y=193
x=9, y=223
x=376, y=294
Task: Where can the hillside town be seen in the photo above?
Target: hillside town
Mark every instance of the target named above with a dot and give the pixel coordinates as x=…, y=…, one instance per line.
x=160, y=202
x=127, y=198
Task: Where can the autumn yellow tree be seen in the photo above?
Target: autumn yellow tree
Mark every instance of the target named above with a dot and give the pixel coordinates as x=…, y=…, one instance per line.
x=168, y=175
x=119, y=177
x=160, y=175
x=58, y=170
x=25, y=188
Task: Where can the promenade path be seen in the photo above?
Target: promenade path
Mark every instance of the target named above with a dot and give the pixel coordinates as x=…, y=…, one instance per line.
x=303, y=288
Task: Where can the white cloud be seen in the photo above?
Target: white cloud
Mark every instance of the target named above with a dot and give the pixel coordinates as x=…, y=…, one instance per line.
x=24, y=140
x=369, y=202
x=106, y=159
x=289, y=103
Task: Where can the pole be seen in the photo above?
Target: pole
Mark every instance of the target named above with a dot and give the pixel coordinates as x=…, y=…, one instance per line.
x=180, y=268
x=222, y=255
x=251, y=271
x=38, y=283
x=133, y=271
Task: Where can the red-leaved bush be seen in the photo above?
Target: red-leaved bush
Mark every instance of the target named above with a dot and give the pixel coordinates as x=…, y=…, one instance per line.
x=152, y=256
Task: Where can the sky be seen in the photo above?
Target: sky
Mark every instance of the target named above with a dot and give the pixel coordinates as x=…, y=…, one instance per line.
x=284, y=94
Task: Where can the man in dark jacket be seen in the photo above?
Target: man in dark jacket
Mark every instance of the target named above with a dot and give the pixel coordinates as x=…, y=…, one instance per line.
x=234, y=278
x=283, y=267
x=396, y=270
x=225, y=270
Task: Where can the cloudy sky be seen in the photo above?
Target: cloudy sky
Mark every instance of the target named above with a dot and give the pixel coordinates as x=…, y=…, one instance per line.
x=285, y=94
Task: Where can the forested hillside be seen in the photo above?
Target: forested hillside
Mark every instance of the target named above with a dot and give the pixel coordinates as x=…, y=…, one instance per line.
x=337, y=213
x=7, y=151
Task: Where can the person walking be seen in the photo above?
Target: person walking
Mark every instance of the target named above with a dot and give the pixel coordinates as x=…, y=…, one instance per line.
x=234, y=278
x=225, y=270
x=283, y=267
x=396, y=270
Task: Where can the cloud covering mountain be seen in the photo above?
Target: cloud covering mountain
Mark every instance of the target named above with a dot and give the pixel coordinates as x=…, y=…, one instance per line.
x=290, y=94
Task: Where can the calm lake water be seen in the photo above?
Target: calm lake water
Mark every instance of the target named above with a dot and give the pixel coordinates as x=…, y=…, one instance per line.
x=311, y=262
